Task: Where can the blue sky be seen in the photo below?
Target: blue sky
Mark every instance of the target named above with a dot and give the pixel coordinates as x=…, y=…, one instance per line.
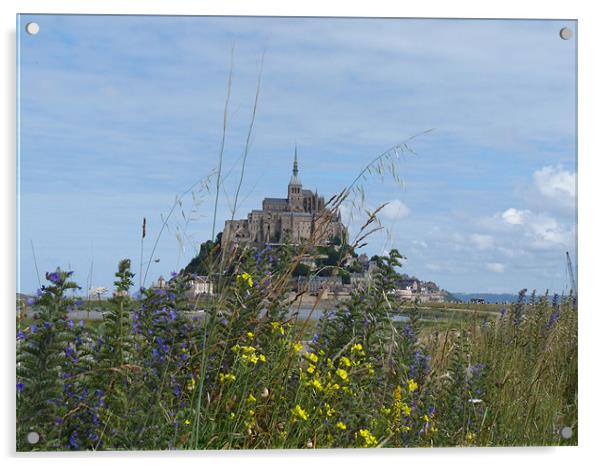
x=119, y=114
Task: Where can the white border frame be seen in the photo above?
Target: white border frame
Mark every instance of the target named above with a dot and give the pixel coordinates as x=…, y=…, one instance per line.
x=590, y=37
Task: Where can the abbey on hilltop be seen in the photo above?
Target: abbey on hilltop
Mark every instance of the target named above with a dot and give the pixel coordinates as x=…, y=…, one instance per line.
x=299, y=217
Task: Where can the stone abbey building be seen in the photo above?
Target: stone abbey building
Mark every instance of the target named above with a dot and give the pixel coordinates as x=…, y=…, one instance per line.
x=298, y=218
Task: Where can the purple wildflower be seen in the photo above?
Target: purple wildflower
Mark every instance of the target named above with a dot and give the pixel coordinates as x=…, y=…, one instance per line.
x=70, y=323
x=54, y=277
x=519, y=307
x=408, y=331
x=21, y=335
x=20, y=387
x=553, y=319
x=34, y=328
x=73, y=440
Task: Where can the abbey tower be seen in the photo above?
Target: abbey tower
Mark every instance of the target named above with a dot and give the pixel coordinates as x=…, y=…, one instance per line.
x=300, y=217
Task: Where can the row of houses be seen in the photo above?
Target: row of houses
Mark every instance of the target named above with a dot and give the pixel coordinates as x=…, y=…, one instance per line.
x=411, y=290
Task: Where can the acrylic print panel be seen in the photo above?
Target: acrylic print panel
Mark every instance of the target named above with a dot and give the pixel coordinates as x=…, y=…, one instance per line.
x=257, y=233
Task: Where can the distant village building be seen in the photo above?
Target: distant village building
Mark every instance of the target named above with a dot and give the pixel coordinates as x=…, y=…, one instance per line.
x=315, y=284
x=160, y=284
x=413, y=290
x=300, y=217
x=199, y=286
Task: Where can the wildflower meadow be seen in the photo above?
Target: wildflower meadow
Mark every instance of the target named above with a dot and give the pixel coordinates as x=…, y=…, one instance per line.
x=246, y=373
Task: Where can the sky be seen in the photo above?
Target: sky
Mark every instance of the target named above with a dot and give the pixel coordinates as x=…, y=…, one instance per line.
x=118, y=115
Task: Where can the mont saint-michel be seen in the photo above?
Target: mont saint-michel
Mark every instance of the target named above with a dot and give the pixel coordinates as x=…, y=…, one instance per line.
x=299, y=217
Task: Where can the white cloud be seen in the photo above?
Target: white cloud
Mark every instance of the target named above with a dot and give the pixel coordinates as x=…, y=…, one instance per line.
x=482, y=241
x=495, y=267
x=514, y=216
x=395, y=210
x=556, y=183
x=546, y=232
x=423, y=244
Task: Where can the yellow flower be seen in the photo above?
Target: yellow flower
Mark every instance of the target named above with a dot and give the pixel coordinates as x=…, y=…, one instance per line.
x=344, y=361
x=251, y=412
x=331, y=388
x=191, y=384
x=251, y=398
x=223, y=378
x=236, y=348
x=358, y=350
x=342, y=373
x=312, y=357
x=316, y=384
x=311, y=369
x=262, y=358
x=412, y=386
x=187, y=422
x=369, y=439
x=341, y=426
x=397, y=393
x=276, y=327
x=425, y=418
x=470, y=437
x=405, y=409
x=300, y=413
x=250, y=335
x=329, y=410
x=298, y=346
x=245, y=278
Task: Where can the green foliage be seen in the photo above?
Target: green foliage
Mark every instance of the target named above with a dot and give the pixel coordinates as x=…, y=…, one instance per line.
x=156, y=375
x=203, y=263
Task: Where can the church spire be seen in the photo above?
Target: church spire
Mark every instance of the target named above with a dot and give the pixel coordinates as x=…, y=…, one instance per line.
x=295, y=164
x=295, y=178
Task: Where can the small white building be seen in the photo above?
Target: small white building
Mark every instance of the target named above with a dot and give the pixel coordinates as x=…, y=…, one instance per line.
x=199, y=286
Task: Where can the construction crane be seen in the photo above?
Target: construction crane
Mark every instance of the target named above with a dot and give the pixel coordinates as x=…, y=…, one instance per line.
x=569, y=265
